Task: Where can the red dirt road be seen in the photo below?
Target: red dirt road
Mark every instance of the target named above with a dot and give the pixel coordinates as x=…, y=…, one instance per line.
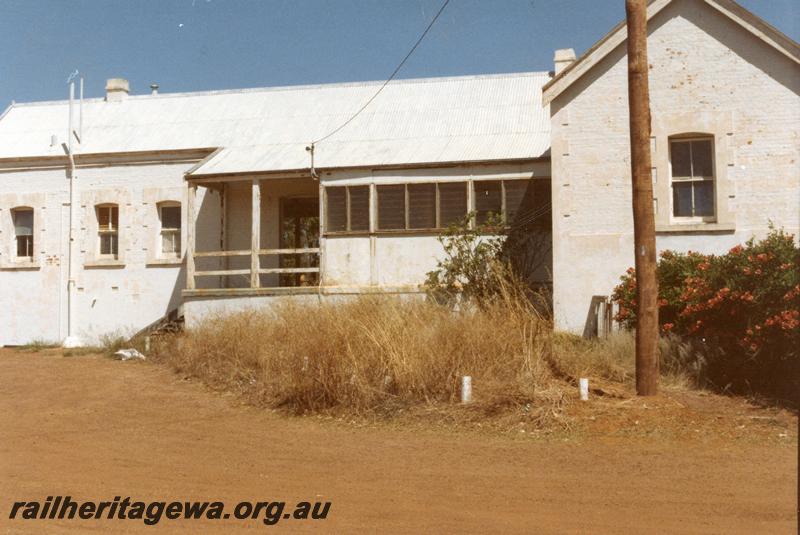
x=94, y=428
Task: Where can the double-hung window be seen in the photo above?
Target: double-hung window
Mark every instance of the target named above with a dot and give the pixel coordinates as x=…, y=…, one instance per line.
x=692, y=164
x=170, y=216
x=23, y=231
x=108, y=230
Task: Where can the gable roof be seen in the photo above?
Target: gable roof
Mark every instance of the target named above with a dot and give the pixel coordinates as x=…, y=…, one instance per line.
x=418, y=121
x=744, y=18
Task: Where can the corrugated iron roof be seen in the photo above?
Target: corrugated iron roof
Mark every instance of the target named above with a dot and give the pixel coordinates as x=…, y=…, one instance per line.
x=419, y=121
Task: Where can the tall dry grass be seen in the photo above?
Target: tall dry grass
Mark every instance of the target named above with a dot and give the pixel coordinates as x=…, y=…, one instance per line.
x=376, y=353
x=381, y=354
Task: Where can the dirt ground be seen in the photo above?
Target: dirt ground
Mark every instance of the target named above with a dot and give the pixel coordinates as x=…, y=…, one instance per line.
x=95, y=428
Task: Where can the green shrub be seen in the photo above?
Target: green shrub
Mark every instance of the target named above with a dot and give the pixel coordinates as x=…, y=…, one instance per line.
x=740, y=309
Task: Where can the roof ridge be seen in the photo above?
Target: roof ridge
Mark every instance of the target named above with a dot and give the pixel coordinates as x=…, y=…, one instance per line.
x=267, y=89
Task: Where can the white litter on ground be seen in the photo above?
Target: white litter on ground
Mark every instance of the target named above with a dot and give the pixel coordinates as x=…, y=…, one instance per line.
x=128, y=354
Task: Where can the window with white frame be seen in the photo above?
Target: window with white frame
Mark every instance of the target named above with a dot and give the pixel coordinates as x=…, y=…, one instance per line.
x=108, y=230
x=23, y=231
x=692, y=170
x=170, y=216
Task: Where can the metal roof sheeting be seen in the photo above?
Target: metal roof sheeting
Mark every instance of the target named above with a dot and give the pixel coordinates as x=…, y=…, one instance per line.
x=422, y=121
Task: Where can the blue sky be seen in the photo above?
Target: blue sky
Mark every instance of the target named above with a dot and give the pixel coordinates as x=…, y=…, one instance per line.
x=192, y=45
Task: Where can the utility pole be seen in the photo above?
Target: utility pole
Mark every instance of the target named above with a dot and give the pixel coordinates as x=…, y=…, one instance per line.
x=644, y=227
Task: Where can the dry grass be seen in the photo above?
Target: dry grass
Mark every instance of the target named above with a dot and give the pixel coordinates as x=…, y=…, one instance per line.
x=379, y=355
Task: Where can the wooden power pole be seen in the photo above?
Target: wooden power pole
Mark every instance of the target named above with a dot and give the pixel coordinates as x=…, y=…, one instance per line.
x=644, y=226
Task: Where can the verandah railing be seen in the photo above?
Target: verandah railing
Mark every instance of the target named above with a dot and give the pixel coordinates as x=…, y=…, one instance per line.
x=255, y=279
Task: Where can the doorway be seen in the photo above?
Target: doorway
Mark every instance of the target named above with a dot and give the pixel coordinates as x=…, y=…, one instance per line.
x=299, y=230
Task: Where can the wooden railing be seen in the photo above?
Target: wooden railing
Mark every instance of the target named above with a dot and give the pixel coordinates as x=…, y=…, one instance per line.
x=259, y=271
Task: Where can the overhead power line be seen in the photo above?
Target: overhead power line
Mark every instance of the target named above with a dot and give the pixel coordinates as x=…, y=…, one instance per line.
x=391, y=77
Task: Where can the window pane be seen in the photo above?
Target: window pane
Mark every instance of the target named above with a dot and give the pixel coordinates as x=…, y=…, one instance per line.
x=702, y=160
x=108, y=244
x=171, y=242
x=23, y=222
x=171, y=217
x=682, y=199
x=108, y=217
x=452, y=203
x=359, y=207
x=516, y=191
x=703, y=198
x=391, y=207
x=24, y=245
x=422, y=205
x=336, y=213
x=681, y=162
x=487, y=199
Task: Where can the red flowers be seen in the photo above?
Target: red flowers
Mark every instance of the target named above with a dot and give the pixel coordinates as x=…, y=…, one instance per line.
x=747, y=299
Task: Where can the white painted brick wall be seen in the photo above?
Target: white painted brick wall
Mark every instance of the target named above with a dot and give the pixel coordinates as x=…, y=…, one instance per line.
x=701, y=63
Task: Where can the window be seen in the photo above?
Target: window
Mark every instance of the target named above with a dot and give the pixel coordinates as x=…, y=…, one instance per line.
x=23, y=231
x=347, y=209
x=421, y=206
x=488, y=200
x=108, y=229
x=452, y=203
x=170, y=215
x=516, y=202
x=692, y=162
x=359, y=208
x=392, y=207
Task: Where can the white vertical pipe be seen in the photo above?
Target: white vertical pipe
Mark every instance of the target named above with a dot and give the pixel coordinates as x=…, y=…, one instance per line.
x=80, y=113
x=584, y=386
x=72, y=339
x=466, y=389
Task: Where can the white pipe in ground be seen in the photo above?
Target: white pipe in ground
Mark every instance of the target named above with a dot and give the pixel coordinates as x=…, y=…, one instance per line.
x=584, y=384
x=466, y=389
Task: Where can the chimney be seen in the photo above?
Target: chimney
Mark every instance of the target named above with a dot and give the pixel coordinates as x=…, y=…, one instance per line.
x=563, y=59
x=116, y=89
x=154, y=89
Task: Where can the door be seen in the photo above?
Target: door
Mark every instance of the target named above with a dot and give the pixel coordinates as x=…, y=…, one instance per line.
x=299, y=230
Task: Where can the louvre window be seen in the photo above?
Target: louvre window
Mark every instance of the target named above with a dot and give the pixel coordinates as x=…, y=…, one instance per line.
x=452, y=203
x=391, y=207
x=692, y=162
x=359, y=208
x=421, y=206
x=23, y=231
x=347, y=209
x=488, y=200
x=336, y=209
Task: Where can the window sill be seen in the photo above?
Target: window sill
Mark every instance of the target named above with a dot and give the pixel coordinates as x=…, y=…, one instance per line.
x=161, y=262
x=695, y=228
x=20, y=266
x=107, y=264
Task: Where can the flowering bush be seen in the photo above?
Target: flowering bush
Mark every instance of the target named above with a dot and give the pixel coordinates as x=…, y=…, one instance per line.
x=744, y=306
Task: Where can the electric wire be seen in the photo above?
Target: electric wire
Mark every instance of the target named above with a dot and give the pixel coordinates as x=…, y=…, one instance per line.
x=391, y=77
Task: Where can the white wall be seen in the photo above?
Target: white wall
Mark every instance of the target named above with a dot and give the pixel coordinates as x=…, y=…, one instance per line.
x=707, y=75
x=116, y=298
